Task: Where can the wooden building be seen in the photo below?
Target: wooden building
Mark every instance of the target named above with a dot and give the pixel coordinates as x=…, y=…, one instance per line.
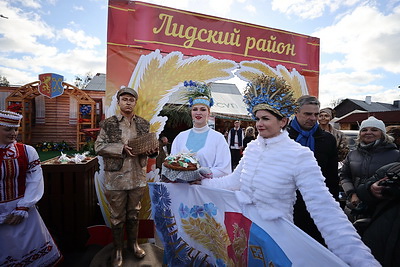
x=352, y=121
x=55, y=119
x=351, y=112
x=348, y=105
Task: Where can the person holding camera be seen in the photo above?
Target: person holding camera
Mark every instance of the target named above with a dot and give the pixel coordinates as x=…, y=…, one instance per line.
x=374, y=149
x=382, y=233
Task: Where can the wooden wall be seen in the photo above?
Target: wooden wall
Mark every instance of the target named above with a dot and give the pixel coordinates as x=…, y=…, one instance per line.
x=57, y=112
x=57, y=127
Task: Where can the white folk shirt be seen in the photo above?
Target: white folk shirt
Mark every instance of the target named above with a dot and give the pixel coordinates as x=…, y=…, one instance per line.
x=214, y=154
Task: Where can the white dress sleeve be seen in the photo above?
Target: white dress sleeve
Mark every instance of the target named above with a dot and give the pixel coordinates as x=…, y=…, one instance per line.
x=34, y=180
x=222, y=162
x=179, y=143
x=337, y=231
x=229, y=182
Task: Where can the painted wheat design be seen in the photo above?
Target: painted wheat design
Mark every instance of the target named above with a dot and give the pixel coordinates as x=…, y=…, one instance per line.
x=204, y=230
x=250, y=69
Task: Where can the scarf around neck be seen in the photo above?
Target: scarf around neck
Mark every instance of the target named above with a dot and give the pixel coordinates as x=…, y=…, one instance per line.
x=305, y=138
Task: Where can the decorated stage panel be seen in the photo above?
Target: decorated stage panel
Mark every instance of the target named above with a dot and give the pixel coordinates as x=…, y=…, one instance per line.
x=201, y=226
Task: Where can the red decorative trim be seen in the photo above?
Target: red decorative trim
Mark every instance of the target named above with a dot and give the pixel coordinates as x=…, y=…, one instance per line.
x=10, y=121
x=14, y=171
x=33, y=164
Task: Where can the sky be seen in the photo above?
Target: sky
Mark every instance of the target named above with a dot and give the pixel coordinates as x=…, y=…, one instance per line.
x=359, y=40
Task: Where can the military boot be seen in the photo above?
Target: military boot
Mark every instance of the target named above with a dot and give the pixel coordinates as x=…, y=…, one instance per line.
x=118, y=241
x=132, y=227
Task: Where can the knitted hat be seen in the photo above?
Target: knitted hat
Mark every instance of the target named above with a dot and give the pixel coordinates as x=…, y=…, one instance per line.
x=127, y=90
x=9, y=118
x=373, y=122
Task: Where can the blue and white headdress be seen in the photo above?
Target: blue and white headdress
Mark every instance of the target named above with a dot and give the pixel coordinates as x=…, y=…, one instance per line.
x=198, y=93
x=269, y=93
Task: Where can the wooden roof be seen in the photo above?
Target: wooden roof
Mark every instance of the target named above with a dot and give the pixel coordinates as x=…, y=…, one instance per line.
x=388, y=117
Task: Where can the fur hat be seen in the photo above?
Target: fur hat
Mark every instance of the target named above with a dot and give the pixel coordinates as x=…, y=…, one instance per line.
x=127, y=90
x=373, y=122
x=10, y=119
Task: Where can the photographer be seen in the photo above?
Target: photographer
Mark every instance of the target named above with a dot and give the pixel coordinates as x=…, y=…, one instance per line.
x=382, y=193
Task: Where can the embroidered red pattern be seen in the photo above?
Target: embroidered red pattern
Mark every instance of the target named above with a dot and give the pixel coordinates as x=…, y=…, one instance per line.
x=13, y=173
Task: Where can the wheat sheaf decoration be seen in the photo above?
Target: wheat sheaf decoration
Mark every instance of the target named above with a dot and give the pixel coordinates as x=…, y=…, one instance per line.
x=204, y=230
x=251, y=69
x=156, y=77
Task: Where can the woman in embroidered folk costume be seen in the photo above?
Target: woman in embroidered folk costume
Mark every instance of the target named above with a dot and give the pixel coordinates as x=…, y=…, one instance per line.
x=274, y=166
x=24, y=239
x=209, y=146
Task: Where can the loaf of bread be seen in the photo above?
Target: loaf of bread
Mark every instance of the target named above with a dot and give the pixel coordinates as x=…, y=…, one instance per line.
x=181, y=162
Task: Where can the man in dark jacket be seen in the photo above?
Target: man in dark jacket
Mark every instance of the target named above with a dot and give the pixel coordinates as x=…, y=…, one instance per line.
x=382, y=194
x=306, y=131
x=235, y=141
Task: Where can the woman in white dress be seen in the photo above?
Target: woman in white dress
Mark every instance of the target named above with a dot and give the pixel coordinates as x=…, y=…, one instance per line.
x=209, y=146
x=274, y=166
x=24, y=238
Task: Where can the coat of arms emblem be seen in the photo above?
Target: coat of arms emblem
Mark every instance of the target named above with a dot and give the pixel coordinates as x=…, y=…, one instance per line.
x=51, y=84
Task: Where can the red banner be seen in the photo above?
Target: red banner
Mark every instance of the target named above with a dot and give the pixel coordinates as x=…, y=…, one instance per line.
x=137, y=28
x=151, y=27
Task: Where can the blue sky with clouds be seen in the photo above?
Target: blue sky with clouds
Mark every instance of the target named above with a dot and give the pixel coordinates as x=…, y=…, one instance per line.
x=360, y=40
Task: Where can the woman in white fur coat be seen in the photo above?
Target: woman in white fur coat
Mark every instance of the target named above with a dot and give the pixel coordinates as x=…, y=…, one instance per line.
x=274, y=166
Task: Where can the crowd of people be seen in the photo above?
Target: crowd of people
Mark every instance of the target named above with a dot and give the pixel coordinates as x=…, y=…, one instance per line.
x=286, y=166
x=294, y=165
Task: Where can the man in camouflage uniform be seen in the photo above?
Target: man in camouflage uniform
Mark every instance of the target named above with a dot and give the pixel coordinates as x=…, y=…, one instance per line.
x=125, y=172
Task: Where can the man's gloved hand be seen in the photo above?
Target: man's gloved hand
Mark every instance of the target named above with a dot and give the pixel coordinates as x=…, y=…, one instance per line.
x=205, y=173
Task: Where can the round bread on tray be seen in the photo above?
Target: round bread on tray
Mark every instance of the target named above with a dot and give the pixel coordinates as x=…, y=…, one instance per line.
x=182, y=167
